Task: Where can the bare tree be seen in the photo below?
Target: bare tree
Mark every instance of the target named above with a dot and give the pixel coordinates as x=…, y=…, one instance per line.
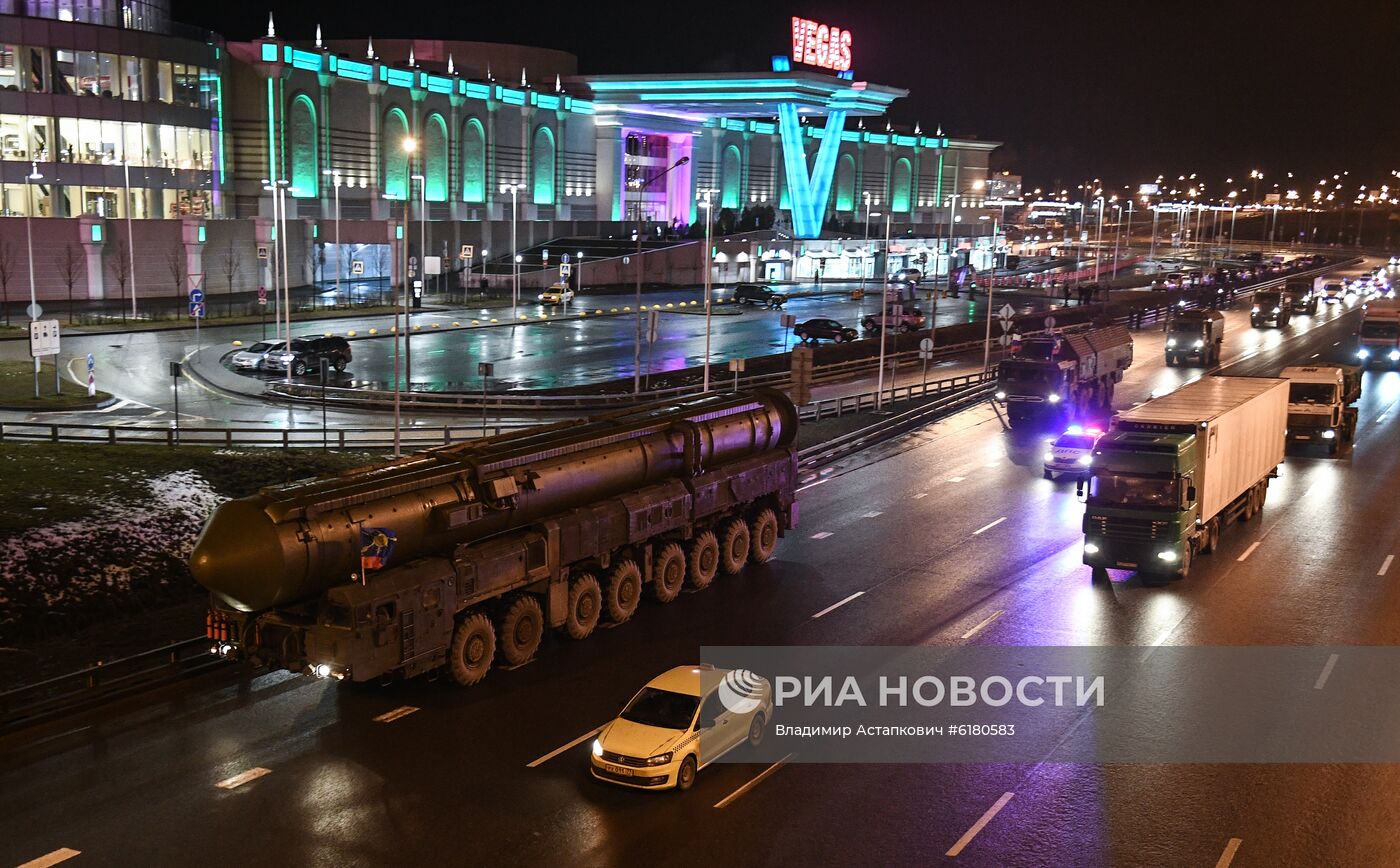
x=230, y=264
x=7, y=273
x=121, y=269
x=175, y=261
x=69, y=264
x=381, y=263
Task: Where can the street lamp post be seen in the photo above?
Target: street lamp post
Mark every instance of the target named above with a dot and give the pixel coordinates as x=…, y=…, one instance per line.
x=514, y=252
x=421, y=274
x=865, y=251
x=705, y=258
x=885, y=326
x=637, y=348
x=130, y=238
x=34, y=175
x=339, y=267
x=1098, y=242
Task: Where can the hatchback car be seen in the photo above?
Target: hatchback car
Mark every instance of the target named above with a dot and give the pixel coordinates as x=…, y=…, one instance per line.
x=251, y=358
x=907, y=275
x=1071, y=452
x=305, y=354
x=681, y=721
x=828, y=329
x=753, y=293
x=559, y=293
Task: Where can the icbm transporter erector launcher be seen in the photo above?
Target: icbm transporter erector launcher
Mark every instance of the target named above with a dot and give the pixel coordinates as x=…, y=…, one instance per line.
x=496, y=539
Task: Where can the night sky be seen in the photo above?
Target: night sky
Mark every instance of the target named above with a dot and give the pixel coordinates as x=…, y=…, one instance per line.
x=1124, y=91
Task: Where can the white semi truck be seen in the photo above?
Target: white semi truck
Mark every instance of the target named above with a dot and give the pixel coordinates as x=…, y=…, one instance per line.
x=1172, y=473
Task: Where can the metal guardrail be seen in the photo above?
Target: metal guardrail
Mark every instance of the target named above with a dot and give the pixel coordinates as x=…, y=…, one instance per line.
x=76, y=691
x=844, y=404
x=334, y=438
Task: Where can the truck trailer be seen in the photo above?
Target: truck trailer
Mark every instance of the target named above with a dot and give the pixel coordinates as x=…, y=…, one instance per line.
x=1322, y=404
x=1172, y=473
x=463, y=554
x=1075, y=374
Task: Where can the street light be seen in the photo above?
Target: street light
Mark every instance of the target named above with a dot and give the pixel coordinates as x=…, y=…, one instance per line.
x=705, y=257
x=637, y=347
x=339, y=267
x=130, y=238
x=515, y=251
x=33, y=176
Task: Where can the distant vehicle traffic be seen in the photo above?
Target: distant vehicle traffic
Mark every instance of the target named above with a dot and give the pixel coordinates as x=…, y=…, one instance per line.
x=678, y=724
x=1195, y=334
x=907, y=275
x=754, y=293
x=306, y=354
x=559, y=293
x=1301, y=299
x=1071, y=452
x=824, y=329
x=1269, y=308
x=898, y=317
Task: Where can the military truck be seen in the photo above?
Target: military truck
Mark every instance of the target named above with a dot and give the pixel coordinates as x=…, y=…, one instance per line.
x=1321, y=404
x=1270, y=308
x=1301, y=298
x=464, y=554
x=1172, y=473
x=1379, y=334
x=1195, y=334
x=1047, y=378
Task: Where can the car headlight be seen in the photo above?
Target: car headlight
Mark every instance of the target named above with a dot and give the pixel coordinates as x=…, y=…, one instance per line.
x=597, y=747
x=1049, y=457
x=1001, y=396
x=1395, y=355
x=1363, y=353
x=323, y=670
x=1090, y=549
x=1086, y=460
x=660, y=759
x=1276, y=310
x=1053, y=398
x=1200, y=344
x=1169, y=557
x=1254, y=309
x=1328, y=434
x=1171, y=342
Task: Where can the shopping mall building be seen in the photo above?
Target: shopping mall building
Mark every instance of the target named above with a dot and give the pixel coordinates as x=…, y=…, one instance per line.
x=120, y=127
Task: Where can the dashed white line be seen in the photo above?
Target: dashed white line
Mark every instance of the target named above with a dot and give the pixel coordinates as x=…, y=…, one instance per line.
x=957, y=478
x=753, y=783
x=973, y=632
x=1385, y=565
x=391, y=716
x=242, y=778
x=821, y=535
x=62, y=854
x=987, y=527
x=833, y=607
x=1249, y=551
x=872, y=514
x=978, y=826
x=1229, y=855
x=1326, y=672
x=558, y=750
x=921, y=495
x=814, y=484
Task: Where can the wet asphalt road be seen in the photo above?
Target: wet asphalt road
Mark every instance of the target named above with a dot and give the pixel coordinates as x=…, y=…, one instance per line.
x=449, y=783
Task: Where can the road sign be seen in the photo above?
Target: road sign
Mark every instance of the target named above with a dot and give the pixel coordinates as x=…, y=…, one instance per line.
x=432, y=265
x=262, y=295
x=564, y=258
x=925, y=355
x=1006, y=312
x=926, y=345
x=262, y=251
x=196, y=296
x=788, y=320
x=466, y=252
x=736, y=365
x=544, y=255
x=565, y=269
x=43, y=337
x=91, y=362
x=34, y=311
x=197, y=309
x=485, y=369
x=357, y=267
x=1049, y=322
x=1004, y=340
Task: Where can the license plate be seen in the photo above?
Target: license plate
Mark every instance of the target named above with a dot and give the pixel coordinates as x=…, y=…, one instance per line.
x=1126, y=564
x=1303, y=436
x=618, y=770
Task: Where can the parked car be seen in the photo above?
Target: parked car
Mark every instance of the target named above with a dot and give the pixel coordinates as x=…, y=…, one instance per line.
x=251, y=358
x=305, y=354
x=907, y=275
x=559, y=293
x=908, y=319
x=824, y=329
x=754, y=293
x=677, y=725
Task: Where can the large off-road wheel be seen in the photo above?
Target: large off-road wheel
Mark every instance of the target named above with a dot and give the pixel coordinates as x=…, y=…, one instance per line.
x=764, y=537
x=702, y=561
x=668, y=573
x=519, y=630
x=585, y=606
x=734, y=546
x=623, y=591
x=472, y=650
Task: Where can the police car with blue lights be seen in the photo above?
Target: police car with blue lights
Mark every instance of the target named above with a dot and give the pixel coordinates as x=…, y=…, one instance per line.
x=1071, y=452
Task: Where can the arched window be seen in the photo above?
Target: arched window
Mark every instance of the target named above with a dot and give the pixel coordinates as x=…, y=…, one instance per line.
x=435, y=158
x=393, y=158
x=899, y=191
x=729, y=178
x=542, y=167
x=301, y=142
x=473, y=161
x=845, y=183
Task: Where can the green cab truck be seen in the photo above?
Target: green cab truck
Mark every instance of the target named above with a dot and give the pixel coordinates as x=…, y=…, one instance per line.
x=1322, y=404
x=1172, y=473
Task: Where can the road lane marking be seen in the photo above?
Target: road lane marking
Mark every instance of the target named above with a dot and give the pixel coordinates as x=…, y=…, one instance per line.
x=814, y=484
x=1385, y=565
x=829, y=609
x=957, y=478
x=970, y=633
x=977, y=826
x=872, y=514
x=1249, y=551
x=391, y=716
x=558, y=750
x=1326, y=671
x=753, y=783
x=242, y=778
x=822, y=535
x=987, y=527
x=62, y=854
x=1229, y=855
x=921, y=495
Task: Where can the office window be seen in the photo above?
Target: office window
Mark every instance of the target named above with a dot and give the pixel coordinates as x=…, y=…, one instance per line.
x=165, y=81
x=109, y=78
x=67, y=139
x=186, y=80
x=14, y=138
x=131, y=77
x=36, y=70
x=89, y=76
x=65, y=74
x=10, y=78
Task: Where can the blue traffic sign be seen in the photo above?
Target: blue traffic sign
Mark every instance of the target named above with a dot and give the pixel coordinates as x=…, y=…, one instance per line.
x=197, y=309
x=196, y=296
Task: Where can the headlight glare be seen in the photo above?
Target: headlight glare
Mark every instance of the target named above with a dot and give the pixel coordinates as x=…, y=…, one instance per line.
x=1090, y=549
x=1169, y=557
x=597, y=747
x=1053, y=398
x=660, y=759
x=1086, y=460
